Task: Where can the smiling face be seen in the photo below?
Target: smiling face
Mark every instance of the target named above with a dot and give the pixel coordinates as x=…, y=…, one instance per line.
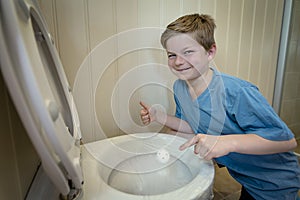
x=187, y=59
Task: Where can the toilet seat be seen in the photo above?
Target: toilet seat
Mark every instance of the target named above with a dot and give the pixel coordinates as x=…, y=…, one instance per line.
x=45, y=104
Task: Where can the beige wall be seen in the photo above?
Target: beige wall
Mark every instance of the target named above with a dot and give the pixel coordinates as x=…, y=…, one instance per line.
x=19, y=160
x=290, y=107
x=247, y=38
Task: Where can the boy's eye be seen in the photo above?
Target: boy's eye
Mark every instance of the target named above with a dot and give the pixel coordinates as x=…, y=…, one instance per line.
x=188, y=52
x=171, y=55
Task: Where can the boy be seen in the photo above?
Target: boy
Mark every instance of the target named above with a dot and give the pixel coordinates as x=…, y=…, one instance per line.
x=225, y=118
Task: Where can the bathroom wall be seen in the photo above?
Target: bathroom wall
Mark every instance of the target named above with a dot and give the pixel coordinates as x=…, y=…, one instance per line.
x=112, y=61
x=290, y=106
x=19, y=161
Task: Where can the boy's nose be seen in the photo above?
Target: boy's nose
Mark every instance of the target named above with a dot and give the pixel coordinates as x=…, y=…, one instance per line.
x=179, y=60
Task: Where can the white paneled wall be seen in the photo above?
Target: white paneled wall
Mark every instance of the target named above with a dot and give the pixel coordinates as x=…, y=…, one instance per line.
x=112, y=64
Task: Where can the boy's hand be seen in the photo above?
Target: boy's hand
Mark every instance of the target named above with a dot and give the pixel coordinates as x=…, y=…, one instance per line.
x=147, y=114
x=208, y=146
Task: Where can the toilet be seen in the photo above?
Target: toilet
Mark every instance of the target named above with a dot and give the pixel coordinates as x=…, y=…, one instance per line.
x=130, y=167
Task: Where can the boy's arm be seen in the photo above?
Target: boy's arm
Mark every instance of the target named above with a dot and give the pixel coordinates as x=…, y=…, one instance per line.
x=209, y=146
x=150, y=114
x=176, y=124
x=187, y=136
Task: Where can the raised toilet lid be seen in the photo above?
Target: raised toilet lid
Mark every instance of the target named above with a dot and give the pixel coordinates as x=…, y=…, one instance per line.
x=40, y=92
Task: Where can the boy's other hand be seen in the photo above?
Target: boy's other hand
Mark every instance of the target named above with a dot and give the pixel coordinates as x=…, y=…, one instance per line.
x=145, y=113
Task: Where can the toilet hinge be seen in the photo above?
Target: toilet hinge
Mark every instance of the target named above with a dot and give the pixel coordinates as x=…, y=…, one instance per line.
x=74, y=194
x=39, y=36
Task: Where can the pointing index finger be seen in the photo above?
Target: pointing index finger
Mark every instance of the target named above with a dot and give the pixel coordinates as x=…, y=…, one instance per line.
x=188, y=143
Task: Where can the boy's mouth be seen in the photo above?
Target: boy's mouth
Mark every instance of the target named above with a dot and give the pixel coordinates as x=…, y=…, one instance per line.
x=180, y=70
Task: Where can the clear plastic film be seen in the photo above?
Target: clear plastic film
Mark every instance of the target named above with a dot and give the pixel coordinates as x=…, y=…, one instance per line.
x=151, y=165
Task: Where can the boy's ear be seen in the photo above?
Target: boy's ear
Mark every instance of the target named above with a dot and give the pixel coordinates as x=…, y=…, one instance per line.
x=212, y=51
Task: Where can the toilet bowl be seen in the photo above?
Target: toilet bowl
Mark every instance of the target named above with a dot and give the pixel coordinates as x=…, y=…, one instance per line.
x=128, y=168
x=133, y=166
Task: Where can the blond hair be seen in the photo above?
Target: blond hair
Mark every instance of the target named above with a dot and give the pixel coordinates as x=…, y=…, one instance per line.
x=200, y=27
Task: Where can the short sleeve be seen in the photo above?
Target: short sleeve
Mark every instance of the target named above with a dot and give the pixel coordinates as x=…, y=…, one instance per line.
x=178, y=112
x=255, y=115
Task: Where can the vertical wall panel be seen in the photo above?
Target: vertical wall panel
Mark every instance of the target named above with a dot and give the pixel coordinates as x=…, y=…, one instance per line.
x=73, y=44
x=221, y=34
x=247, y=38
x=257, y=46
x=232, y=50
x=266, y=51
x=102, y=26
x=71, y=28
x=209, y=6
x=148, y=8
x=103, y=96
x=190, y=7
x=49, y=14
x=171, y=11
x=275, y=47
x=126, y=19
x=126, y=12
x=101, y=19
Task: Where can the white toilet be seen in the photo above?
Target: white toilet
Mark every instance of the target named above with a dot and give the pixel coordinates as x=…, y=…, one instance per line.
x=135, y=166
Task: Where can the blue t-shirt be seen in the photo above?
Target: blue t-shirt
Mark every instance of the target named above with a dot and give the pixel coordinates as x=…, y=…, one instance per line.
x=233, y=106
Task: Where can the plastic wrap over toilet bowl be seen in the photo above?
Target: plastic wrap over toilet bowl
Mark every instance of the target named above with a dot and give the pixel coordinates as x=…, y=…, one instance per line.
x=145, y=165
